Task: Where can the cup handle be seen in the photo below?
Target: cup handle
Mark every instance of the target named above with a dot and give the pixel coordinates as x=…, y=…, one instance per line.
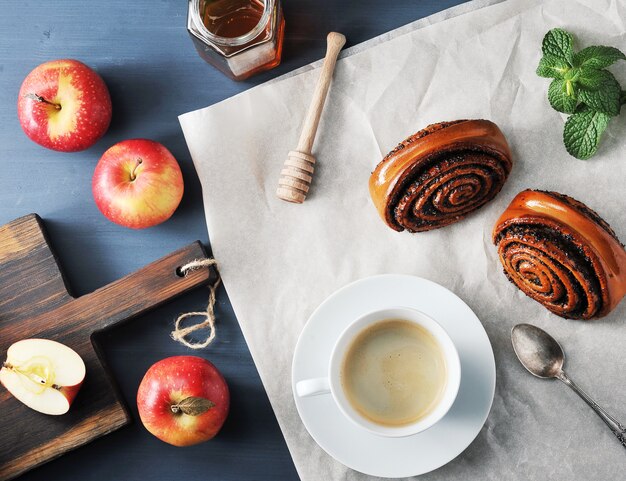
x=313, y=387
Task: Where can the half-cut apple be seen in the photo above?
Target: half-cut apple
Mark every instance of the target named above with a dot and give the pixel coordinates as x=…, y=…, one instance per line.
x=45, y=375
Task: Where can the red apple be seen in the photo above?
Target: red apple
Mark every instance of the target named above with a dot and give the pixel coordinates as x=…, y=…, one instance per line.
x=64, y=105
x=137, y=183
x=183, y=400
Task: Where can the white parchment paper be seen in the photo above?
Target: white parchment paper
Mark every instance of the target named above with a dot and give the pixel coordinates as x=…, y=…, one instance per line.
x=279, y=261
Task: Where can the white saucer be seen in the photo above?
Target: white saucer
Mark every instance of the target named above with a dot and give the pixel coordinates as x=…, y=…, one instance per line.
x=413, y=455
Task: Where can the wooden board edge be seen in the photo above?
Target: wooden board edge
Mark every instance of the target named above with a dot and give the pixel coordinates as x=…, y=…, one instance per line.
x=117, y=393
x=55, y=256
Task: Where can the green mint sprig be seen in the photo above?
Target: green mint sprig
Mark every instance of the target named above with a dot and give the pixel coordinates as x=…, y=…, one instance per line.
x=582, y=87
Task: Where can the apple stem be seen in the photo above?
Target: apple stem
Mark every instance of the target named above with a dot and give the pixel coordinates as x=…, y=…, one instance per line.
x=192, y=406
x=133, y=174
x=39, y=98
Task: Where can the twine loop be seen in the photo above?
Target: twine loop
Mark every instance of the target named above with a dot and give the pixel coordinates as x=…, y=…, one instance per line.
x=180, y=332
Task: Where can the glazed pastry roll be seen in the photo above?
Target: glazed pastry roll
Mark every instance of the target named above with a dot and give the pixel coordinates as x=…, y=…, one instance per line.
x=440, y=174
x=562, y=254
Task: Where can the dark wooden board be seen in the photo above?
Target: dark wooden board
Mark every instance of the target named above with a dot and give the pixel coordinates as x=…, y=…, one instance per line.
x=35, y=302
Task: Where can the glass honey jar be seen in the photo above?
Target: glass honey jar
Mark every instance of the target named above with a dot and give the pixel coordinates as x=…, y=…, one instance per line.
x=239, y=37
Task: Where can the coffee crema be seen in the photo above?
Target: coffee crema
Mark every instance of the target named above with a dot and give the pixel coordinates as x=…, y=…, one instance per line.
x=394, y=373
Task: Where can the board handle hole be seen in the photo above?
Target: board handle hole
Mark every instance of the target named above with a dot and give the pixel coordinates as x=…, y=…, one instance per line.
x=194, y=265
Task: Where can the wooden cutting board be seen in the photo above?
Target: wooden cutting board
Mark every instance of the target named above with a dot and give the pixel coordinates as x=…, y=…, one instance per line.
x=34, y=302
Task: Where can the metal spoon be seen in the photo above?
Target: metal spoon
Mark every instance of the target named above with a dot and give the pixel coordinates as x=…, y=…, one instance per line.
x=543, y=357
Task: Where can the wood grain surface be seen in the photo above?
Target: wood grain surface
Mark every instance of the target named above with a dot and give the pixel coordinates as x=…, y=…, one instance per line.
x=142, y=50
x=34, y=303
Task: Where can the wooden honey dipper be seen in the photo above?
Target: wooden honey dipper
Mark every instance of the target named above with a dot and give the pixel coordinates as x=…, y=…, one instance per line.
x=297, y=173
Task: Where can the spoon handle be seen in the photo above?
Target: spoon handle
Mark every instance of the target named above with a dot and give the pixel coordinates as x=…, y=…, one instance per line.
x=618, y=429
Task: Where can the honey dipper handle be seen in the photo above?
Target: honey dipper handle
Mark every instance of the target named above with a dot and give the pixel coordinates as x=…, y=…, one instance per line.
x=335, y=42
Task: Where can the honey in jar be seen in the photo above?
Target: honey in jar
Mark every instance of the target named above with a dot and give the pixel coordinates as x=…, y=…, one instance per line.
x=239, y=37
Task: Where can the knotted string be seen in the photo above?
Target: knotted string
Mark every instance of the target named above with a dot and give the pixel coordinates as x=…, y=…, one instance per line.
x=180, y=333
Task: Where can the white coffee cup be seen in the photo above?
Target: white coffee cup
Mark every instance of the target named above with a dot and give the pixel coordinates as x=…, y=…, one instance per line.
x=332, y=383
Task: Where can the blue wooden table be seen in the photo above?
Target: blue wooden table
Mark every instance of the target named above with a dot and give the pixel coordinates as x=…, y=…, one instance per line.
x=142, y=50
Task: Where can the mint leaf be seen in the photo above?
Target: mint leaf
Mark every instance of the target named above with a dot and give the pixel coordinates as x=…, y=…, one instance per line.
x=560, y=98
x=598, y=57
x=581, y=86
x=552, y=67
x=591, y=78
x=583, y=131
x=601, y=91
x=560, y=44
